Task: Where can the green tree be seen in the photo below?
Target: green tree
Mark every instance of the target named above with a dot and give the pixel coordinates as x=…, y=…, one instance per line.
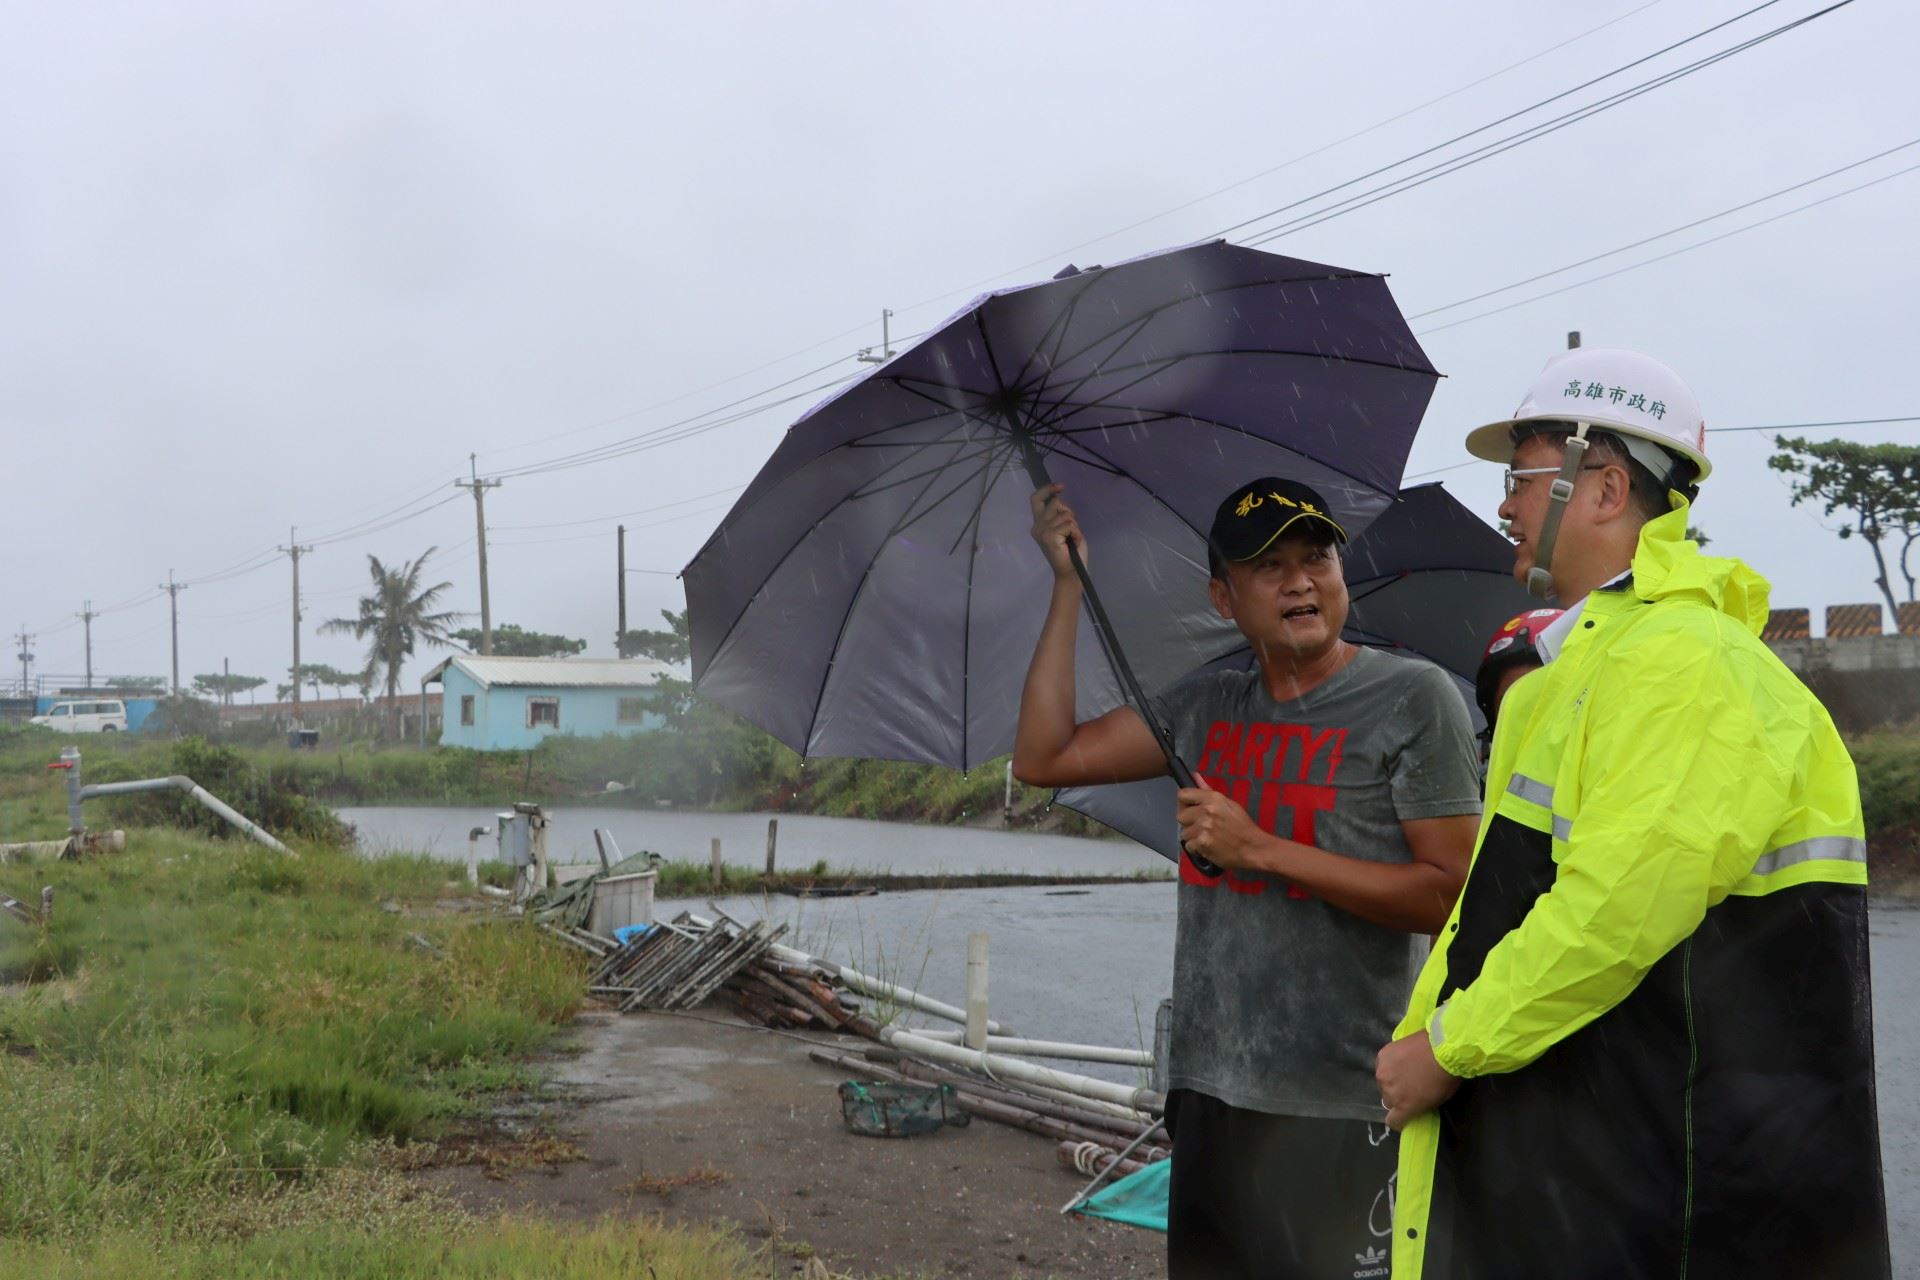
x=315, y=674
x=1698, y=535
x=672, y=646
x=396, y=616
x=509, y=641
x=136, y=684
x=223, y=688
x=1875, y=486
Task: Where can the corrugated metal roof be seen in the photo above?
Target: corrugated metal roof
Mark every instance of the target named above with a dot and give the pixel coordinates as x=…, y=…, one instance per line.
x=571, y=673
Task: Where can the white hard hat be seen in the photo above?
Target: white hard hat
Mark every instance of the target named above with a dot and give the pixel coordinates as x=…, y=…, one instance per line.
x=1631, y=395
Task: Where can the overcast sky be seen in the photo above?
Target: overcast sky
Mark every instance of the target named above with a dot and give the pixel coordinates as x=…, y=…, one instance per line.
x=274, y=265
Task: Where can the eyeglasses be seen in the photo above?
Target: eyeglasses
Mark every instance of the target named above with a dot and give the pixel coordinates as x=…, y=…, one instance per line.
x=1513, y=477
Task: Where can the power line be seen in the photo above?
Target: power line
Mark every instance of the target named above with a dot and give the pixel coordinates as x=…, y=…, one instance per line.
x=681, y=429
x=1813, y=426
x=1491, y=124
x=1532, y=133
x=1673, y=253
x=618, y=515
x=1671, y=231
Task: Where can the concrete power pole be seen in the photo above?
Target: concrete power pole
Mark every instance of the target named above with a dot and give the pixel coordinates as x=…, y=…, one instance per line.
x=294, y=551
x=173, y=590
x=86, y=616
x=480, y=488
x=620, y=636
x=26, y=659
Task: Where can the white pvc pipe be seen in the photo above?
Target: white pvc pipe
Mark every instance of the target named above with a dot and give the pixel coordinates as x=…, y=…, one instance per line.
x=1050, y=1049
x=868, y=985
x=1025, y=1072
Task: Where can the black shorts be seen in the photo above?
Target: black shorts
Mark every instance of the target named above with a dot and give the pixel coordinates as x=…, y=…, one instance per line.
x=1264, y=1197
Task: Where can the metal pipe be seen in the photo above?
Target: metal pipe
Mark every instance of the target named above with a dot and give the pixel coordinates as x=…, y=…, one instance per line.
x=178, y=782
x=998, y=1066
x=1022, y=1047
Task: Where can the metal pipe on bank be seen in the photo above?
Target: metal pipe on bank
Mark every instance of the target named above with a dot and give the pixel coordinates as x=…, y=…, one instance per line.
x=78, y=793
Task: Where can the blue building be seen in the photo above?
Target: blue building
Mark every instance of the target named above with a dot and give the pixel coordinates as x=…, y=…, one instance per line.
x=511, y=704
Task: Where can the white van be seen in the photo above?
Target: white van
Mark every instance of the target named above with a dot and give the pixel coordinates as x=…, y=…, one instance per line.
x=85, y=717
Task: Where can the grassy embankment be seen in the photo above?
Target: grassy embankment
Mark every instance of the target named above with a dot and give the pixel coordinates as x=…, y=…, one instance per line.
x=219, y=1061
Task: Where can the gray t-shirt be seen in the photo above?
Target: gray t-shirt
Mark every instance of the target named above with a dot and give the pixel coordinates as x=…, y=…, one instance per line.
x=1281, y=1001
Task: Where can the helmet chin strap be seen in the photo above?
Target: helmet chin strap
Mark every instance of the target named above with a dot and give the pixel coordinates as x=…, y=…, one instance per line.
x=1540, y=577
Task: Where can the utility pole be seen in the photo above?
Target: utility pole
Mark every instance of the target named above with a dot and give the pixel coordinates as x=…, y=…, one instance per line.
x=866, y=355
x=480, y=488
x=26, y=657
x=173, y=590
x=620, y=636
x=294, y=551
x=86, y=616
x=226, y=681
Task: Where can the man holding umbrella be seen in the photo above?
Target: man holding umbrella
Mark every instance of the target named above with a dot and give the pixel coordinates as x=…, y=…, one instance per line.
x=1643, y=1045
x=1334, y=828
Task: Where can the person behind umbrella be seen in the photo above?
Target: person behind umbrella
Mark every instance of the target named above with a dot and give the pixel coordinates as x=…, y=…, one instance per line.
x=1340, y=805
x=1643, y=1045
x=1513, y=651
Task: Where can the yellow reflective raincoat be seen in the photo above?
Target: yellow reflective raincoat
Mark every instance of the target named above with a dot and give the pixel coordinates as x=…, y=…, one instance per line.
x=1655, y=983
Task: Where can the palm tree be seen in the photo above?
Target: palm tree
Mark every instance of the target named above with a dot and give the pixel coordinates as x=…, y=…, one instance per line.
x=395, y=616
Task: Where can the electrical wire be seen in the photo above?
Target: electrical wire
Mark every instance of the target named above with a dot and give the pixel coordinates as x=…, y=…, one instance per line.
x=1662, y=235
x=1673, y=253
x=618, y=515
x=1487, y=151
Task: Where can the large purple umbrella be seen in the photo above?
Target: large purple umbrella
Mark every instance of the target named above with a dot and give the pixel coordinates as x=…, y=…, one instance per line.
x=875, y=593
x=1428, y=578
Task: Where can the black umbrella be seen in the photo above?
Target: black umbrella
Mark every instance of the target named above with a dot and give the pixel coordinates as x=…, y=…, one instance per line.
x=1428, y=578
x=875, y=593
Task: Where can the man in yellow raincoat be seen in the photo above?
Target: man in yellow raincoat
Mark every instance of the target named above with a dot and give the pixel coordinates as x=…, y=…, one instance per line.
x=1642, y=1045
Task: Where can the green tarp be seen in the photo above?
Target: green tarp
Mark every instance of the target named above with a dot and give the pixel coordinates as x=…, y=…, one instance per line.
x=1139, y=1199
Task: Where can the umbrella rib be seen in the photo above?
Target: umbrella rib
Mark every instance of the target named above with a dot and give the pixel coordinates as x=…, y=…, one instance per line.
x=820, y=694
x=948, y=465
x=987, y=477
x=980, y=327
x=1217, y=425
x=987, y=468
x=779, y=564
x=1056, y=329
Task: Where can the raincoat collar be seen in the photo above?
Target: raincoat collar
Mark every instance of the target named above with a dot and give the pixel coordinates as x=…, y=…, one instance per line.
x=1666, y=565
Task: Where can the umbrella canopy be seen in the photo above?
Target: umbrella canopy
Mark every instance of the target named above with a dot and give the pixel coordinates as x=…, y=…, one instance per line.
x=875, y=592
x=1428, y=577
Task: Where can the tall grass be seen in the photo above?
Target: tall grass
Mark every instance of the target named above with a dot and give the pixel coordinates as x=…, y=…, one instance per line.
x=211, y=1020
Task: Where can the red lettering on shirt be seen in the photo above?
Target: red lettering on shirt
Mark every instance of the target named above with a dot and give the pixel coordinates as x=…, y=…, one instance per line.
x=1236, y=757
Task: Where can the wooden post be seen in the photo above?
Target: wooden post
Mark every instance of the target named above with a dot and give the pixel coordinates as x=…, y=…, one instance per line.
x=977, y=992
x=46, y=904
x=773, y=834
x=719, y=868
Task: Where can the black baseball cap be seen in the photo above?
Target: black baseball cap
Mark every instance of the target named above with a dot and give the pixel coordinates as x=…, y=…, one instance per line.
x=1261, y=510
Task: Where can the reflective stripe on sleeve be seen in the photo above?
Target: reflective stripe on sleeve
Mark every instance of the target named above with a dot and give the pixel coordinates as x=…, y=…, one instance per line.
x=1818, y=849
x=1562, y=828
x=1532, y=790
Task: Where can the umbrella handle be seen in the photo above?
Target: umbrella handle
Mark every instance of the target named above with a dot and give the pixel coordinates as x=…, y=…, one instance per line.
x=1116, y=657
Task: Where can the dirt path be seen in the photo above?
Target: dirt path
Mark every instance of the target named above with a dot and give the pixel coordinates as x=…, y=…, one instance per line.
x=711, y=1119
